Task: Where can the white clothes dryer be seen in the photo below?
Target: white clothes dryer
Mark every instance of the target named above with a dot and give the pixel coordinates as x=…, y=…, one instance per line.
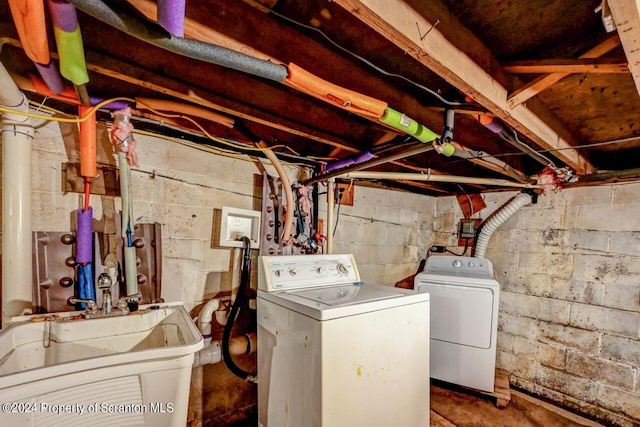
x=333, y=351
x=464, y=319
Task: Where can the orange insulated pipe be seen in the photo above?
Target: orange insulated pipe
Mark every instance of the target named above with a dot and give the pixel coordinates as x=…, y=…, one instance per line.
x=310, y=84
x=28, y=15
x=88, y=167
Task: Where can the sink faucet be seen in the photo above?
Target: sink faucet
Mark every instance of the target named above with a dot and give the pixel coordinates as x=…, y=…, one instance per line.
x=104, y=283
x=92, y=307
x=129, y=302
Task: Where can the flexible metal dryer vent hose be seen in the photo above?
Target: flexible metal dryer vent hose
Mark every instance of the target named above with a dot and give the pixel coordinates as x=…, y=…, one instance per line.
x=496, y=220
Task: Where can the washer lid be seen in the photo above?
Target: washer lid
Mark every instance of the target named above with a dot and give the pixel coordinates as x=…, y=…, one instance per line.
x=343, y=300
x=345, y=294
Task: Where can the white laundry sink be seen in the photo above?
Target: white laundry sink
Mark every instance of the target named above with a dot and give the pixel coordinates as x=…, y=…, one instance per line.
x=127, y=370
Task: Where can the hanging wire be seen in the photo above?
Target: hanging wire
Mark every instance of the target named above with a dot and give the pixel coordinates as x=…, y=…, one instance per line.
x=372, y=65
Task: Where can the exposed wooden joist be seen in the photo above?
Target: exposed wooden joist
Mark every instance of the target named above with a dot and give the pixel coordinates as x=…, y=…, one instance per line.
x=626, y=15
x=531, y=89
x=410, y=31
x=569, y=66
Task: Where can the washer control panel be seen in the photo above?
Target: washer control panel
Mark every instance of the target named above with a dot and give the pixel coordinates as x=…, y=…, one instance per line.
x=287, y=272
x=459, y=266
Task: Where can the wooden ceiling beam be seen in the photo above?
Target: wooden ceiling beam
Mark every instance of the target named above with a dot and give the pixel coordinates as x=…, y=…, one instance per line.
x=531, y=89
x=421, y=39
x=626, y=15
x=569, y=66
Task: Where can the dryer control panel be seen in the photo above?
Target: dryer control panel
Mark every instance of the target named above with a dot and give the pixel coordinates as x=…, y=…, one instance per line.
x=287, y=272
x=447, y=265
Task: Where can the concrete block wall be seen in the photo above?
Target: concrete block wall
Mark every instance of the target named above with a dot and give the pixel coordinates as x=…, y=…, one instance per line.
x=387, y=231
x=569, y=266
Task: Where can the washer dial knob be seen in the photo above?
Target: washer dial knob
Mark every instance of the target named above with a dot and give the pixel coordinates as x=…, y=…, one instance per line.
x=343, y=269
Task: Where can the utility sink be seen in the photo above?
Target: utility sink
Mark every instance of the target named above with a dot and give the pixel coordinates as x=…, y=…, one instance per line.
x=131, y=370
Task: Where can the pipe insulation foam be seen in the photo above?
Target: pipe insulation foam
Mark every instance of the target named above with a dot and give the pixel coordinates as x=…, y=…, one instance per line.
x=84, y=236
x=406, y=124
x=121, y=18
x=171, y=16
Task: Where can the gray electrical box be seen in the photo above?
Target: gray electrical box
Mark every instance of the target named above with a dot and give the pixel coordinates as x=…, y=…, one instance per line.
x=467, y=228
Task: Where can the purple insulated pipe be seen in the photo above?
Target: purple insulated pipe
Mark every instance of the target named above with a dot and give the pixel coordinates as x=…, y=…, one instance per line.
x=355, y=159
x=363, y=157
x=343, y=163
x=115, y=105
x=84, y=236
x=171, y=16
x=51, y=77
x=63, y=15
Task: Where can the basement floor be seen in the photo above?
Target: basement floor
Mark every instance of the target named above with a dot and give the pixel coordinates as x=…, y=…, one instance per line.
x=452, y=407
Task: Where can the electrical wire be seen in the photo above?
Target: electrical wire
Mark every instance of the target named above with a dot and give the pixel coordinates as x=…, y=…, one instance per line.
x=168, y=115
x=550, y=150
x=464, y=251
x=468, y=199
x=335, y=226
x=371, y=64
x=63, y=120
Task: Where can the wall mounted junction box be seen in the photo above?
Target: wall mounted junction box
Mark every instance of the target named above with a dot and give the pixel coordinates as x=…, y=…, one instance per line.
x=236, y=223
x=468, y=228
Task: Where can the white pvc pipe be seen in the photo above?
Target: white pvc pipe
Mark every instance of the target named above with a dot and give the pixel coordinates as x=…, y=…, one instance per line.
x=496, y=220
x=437, y=178
x=205, y=318
x=212, y=353
x=17, y=133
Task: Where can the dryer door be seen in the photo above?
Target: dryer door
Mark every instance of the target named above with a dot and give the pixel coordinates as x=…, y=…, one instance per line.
x=460, y=314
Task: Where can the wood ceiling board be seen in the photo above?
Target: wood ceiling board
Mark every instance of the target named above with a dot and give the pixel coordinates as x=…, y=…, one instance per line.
x=384, y=55
x=596, y=107
x=531, y=89
x=626, y=15
x=400, y=23
x=524, y=28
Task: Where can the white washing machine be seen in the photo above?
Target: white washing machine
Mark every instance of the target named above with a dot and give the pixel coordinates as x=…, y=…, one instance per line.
x=333, y=351
x=464, y=319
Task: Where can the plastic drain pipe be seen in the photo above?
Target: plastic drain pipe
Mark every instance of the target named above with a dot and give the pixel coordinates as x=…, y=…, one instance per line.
x=17, y=133
x=497, y=219
x=435, y=178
